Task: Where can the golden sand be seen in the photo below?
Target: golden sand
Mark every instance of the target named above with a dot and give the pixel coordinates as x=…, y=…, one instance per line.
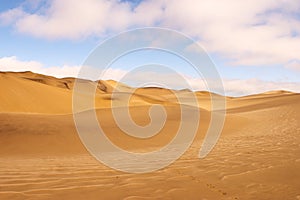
x=42, y=157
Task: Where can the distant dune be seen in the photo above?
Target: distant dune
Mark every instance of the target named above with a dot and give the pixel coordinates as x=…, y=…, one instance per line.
x=42, y=157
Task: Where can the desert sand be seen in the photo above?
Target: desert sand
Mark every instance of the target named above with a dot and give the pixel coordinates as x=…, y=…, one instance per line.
x=42, y=157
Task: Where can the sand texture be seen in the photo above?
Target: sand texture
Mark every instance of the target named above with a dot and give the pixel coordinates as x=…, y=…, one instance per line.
x=42, y=157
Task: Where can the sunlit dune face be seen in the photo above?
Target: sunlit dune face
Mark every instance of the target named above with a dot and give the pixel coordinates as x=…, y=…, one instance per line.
x=256, y=156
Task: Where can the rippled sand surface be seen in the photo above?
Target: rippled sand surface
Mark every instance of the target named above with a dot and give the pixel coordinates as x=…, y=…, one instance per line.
x=42, y=157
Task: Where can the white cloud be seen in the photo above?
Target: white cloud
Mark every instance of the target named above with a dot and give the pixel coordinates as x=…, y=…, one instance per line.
x=294, y=64
x=113, y=74
x=11, y=16
x=69, y=20
x=257, y=32
x=246, y=32
x=13, y=64
x=242, y=87
x=61, y=72
x=237, y=87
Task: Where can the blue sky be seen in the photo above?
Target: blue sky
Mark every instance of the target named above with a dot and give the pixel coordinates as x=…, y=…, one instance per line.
x=255, y=47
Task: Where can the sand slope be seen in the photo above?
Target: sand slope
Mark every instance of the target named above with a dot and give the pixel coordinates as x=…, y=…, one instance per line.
x=42, y=157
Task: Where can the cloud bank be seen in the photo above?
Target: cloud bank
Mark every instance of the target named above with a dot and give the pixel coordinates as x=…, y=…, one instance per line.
x=13, y=64
x=257, y=32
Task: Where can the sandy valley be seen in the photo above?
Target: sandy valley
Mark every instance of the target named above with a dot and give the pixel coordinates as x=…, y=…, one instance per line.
x=42, y=157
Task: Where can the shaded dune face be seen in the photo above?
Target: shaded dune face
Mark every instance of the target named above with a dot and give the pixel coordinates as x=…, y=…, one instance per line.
x=42, y=157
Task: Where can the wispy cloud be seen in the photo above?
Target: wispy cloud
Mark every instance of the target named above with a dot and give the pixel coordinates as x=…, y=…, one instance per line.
x=258, y=32
x=294, y=65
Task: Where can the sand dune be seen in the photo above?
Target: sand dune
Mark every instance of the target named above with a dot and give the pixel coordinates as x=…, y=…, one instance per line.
x=42, y=157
